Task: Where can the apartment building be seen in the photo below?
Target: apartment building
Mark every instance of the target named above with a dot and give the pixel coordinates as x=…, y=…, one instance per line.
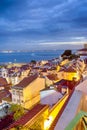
x=27, y=92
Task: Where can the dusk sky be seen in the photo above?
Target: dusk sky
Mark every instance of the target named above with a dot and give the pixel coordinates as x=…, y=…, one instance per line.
x=42, y=24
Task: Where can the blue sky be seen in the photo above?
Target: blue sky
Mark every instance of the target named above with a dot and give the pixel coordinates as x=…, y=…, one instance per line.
x=42, y=24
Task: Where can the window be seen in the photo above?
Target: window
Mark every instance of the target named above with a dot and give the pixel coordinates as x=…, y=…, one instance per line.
x=21, y=93
x=14, y=100
x=13, y=92
x=17, y=92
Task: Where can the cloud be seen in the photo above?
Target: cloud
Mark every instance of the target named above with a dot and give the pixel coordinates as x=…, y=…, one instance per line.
x=57, y=43
x=79, y=38
x=38, y=20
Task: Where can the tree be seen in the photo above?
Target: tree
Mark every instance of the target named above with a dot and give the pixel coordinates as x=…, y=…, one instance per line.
x=33, y=61
x=73, y=56
x=67, y=53
x=18, y=111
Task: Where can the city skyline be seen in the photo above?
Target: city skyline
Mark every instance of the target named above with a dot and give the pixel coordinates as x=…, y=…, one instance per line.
x=42, y=24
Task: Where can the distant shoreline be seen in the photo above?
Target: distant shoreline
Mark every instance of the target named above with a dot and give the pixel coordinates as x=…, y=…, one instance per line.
x=18, y=51
x=26, y=57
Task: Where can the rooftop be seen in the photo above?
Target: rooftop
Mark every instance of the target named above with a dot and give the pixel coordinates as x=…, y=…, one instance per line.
x=61, y=82
x=26, y=81
x=70, y=69
x=84, y=49
x=28, y=116
x=3, y=81
x=4, y=94
x=53, y=95
x=52, y=77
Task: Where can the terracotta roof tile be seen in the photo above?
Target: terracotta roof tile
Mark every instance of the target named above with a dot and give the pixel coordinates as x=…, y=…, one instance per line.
x=52, y=77
x=3, y=81
x=61, y=82
x=26, y=81
x=4, y=93
x=28, y=116
x=24, y=67
x=83, y=54
x=84, y=49
x=70, y=69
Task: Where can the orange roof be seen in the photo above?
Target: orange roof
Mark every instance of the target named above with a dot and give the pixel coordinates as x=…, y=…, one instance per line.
x=3, y=81
x=84, y=54
x=84, y=49
x=70, y=69
x=4, y=93
x=26, y=81
x=52, y=77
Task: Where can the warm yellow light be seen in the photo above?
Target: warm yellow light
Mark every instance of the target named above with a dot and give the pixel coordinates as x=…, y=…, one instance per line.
x=54, y=112
x=77, y=77
x=58, y=68
x=48, y=122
